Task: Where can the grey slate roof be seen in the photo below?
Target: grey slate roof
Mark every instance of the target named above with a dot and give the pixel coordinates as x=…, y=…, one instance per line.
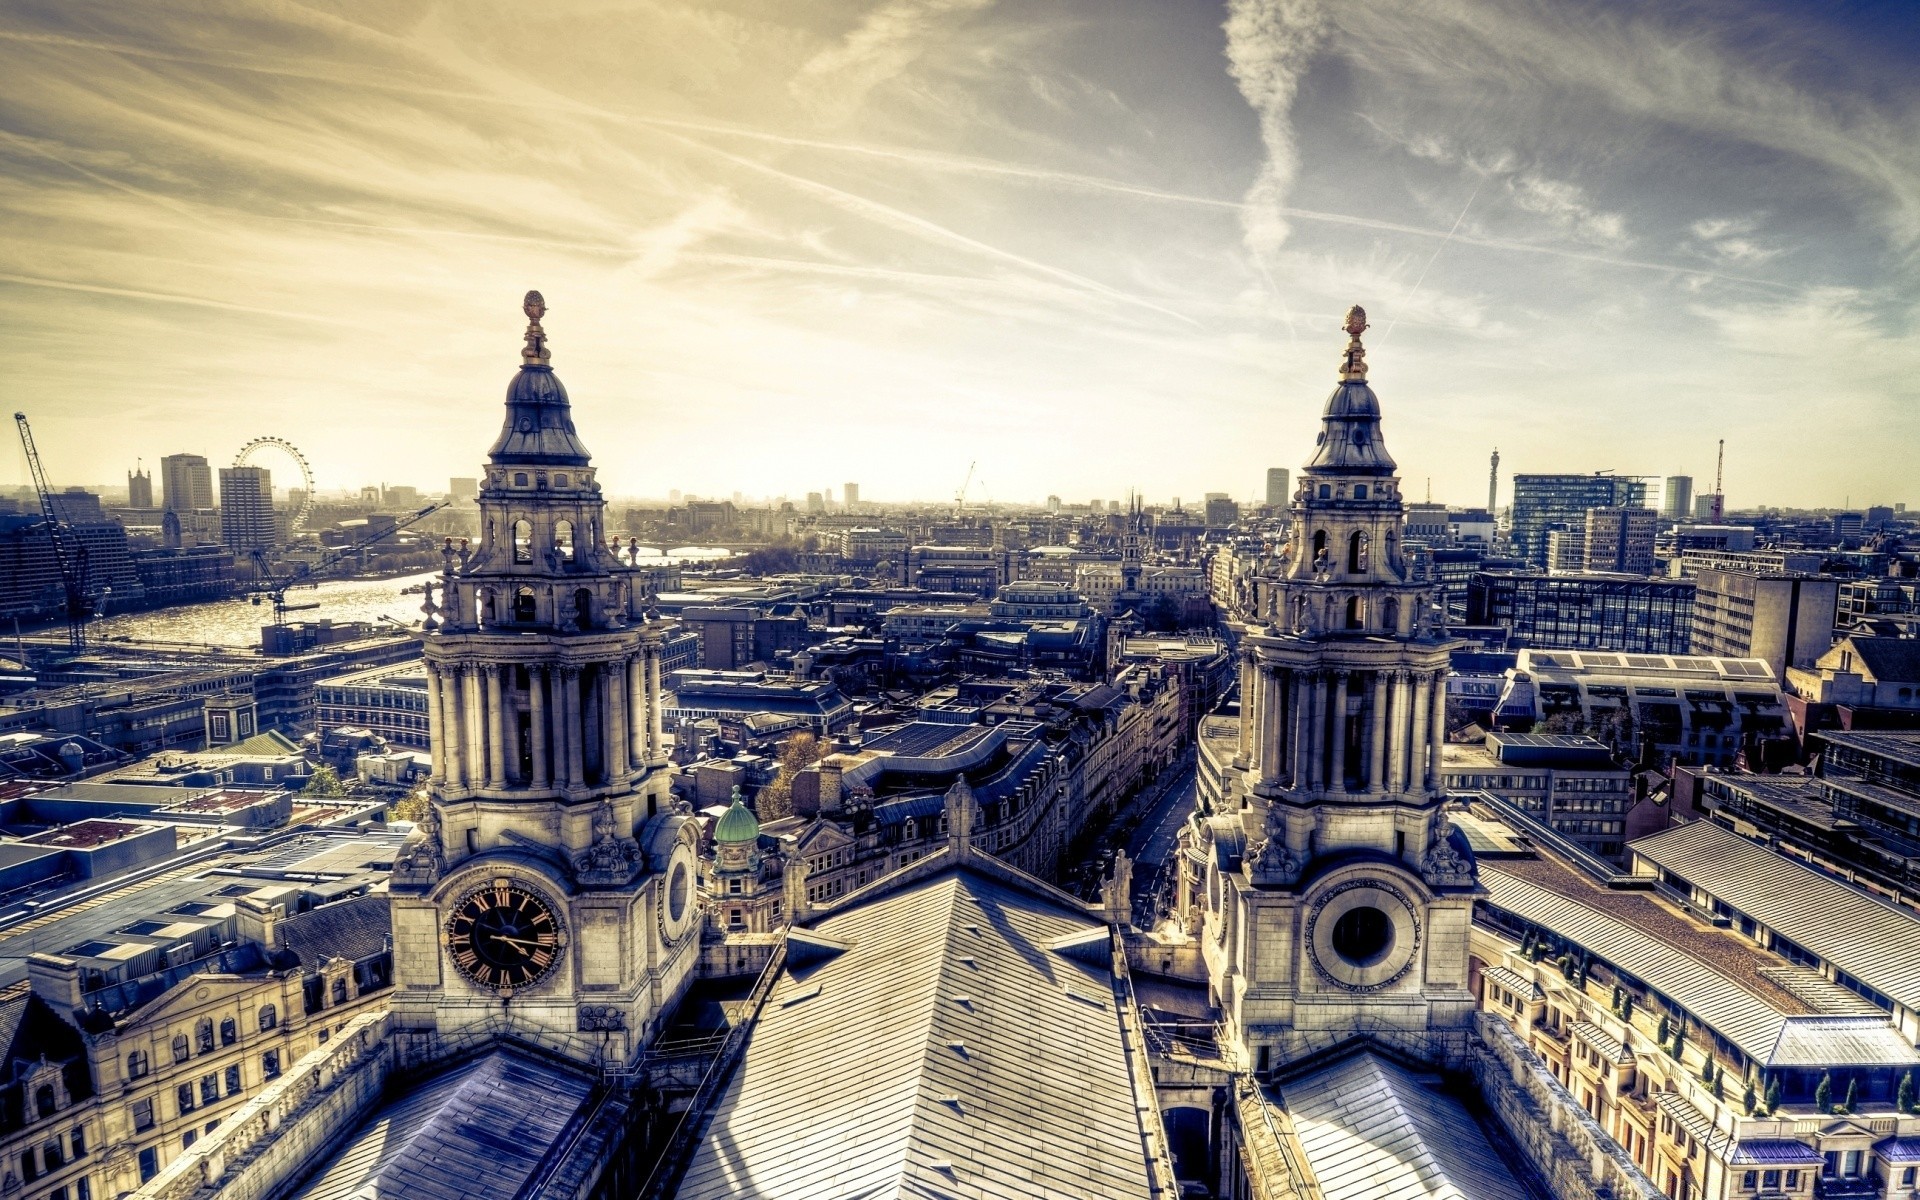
x=1842, y=1041
x=480, y=1130
x=947, y=1051
x=1865, y=937
x=354, y=929
x=1373, y=1130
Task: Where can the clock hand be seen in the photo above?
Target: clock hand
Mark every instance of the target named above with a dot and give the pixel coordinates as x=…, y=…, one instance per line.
x=501, y=937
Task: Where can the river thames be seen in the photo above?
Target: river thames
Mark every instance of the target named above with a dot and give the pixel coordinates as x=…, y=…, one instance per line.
x=237, y=622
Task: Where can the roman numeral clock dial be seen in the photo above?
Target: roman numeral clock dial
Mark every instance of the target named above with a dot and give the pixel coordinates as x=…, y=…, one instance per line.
x=503, y=937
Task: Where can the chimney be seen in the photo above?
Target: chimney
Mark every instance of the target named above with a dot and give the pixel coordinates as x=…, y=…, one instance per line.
x=56, y=980
x=258, y=922
x=830, y=789
x=794, y=877
x=960, y=814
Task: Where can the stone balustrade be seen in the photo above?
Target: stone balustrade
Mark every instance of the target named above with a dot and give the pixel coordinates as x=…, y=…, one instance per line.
x=278, y=1132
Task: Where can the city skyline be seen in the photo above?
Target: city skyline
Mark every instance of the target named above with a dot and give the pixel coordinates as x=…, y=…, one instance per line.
x=851, y=241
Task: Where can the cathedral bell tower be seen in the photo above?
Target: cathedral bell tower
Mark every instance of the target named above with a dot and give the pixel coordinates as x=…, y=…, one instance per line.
x=548, y=894
x=1332, y=894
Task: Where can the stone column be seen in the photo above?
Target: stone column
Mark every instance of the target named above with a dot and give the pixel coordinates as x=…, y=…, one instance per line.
x=1318, y=724
x=1337, y=720
x=1300, y=729
x=436, y=727
x=574, y=725
x=1437, y=710
x=1247, y=710
x=613, y=742
x=636, y=710
x=656, y=740
x=453, y=725
x=496, y=728
x=1270, y=731
x=473, y=760
x=1417, y=741
x=1377, y=732
x=537, y=719
x=1398, y=736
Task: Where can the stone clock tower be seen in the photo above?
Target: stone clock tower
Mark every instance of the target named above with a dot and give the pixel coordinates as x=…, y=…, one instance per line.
x=549, y=895
x=1332, y=895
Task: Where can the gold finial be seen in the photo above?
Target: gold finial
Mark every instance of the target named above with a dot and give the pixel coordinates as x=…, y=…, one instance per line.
x=534, y=354
x=1353, y=368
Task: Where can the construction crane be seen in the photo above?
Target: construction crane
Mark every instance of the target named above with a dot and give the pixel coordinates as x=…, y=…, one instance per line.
x=304, y=574
x=71, y=559
x=960, y=497
x=1719, y=497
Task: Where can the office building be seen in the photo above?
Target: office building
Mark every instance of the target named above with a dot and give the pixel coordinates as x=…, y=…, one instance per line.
x=1662, y=707
x=1222, y=512
x=1566, y=551
x=1848, y=525
x=1570, y=784
x=1585, y=612
x=1620, y=540
x=246, y=510
x=1541, y=501
x=1676, y=501
x=463, y=488
x=850, y=495
x=139, y=489
x=1784, y=619
x=186, y=483
x=1277, y=495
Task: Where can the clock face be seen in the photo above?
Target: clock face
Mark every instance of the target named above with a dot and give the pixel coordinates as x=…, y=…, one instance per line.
x=503, y=937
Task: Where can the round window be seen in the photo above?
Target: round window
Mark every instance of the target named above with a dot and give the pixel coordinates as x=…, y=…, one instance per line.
x=677, y=888
x=1363, y=936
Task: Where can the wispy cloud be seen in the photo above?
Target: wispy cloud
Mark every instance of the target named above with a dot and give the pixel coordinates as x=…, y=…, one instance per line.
x=1269, y=46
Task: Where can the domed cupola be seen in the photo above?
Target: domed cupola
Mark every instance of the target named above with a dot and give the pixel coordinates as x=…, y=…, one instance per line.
x=737, y=824
x=539, y=427
x=1350, y=441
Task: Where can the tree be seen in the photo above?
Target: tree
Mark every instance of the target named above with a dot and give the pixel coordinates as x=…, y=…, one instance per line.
x=324, y=783
x=1666, y=1030
x=1853, y=1093
x=1904, y=1101
x=1626, y=1007
x=1823, y=1094
x=1773, y=1095
x=1748, y=1100
x=1679, y=1045
x=412, y=808
x=1566, y=966
x=798, y=753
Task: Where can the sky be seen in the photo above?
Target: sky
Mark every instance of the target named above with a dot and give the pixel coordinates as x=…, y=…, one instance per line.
x=1082, y=247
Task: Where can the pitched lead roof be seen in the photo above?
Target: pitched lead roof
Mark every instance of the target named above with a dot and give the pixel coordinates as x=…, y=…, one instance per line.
x=951, y=1049
x=1867, y=938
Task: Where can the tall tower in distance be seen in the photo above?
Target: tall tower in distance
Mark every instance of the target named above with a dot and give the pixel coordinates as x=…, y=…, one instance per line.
x=548, y=894
x=139, y=488
x=1332, y=895
x=1277, y=480
x=1493, y=483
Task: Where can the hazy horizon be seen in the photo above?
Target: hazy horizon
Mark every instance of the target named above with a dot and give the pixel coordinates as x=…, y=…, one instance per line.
x=1094, y=247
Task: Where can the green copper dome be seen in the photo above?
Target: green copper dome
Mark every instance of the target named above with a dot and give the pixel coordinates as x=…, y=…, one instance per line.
x=737, y=824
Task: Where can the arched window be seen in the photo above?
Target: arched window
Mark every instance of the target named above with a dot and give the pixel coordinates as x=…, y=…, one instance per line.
x=229, y=1031
x=1357, y=552
x=180, y=1048
x=563, y=540
x=340, y=990
x=560, y=481
x=269, y=1017
x=1319, y=543
x=43, y=1100
x=524, y=608
x=583, y=608
x=136, y=1064
x=203, y=1035
x=523, y=541
x=1353, y=612
x=1390, y=614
